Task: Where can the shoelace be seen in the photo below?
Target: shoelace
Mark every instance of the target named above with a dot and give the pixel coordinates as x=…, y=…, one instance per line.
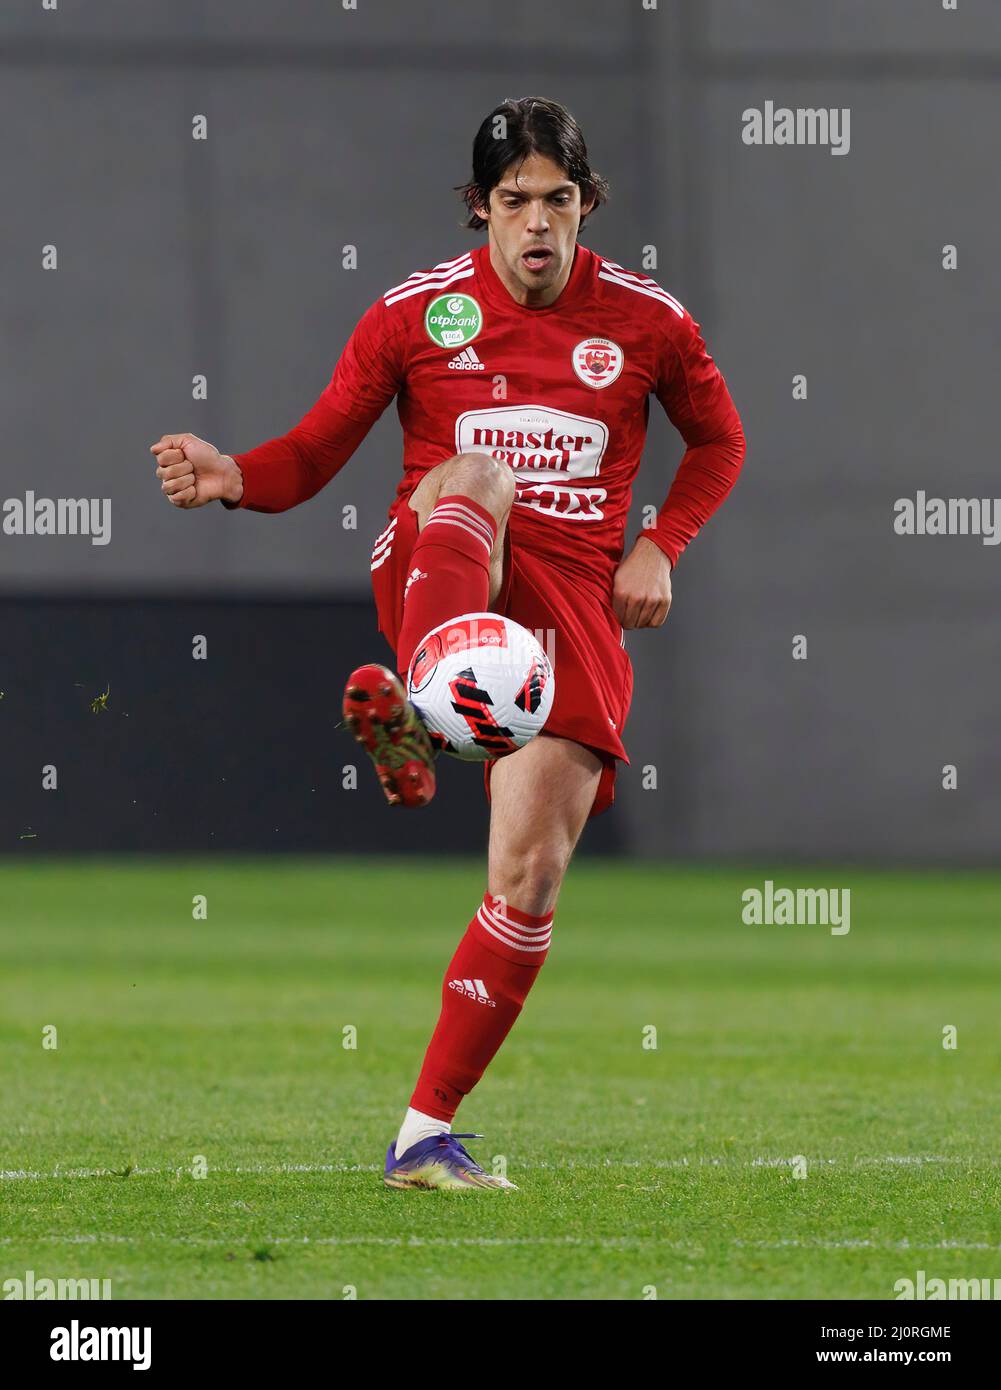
x=449, y=1138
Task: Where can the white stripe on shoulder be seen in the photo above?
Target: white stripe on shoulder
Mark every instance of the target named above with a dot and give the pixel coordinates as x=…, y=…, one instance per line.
x=439, y=283
x=642, y=280
x=430, y=279
x=439, y=269
x=641, y=284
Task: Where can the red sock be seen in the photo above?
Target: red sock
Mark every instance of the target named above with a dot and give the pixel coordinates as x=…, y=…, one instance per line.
x=485, y=985
x=449, y=570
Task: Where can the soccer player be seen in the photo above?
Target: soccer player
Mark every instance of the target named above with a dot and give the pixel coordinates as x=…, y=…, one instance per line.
x=522, y=372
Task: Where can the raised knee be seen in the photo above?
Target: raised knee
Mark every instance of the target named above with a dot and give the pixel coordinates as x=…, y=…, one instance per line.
x=485, y=478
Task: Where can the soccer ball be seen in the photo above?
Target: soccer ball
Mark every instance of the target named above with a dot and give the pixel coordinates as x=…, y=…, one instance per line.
x=483, y=684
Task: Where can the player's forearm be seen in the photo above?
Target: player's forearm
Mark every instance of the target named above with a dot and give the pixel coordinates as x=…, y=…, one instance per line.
x=277, y=475
x=704, y=479
x=289, y=470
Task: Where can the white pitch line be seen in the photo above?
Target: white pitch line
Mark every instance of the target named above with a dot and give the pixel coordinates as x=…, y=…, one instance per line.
x=29, y=1175
x=611, y=1242
x=490, y=1242
x=902, y=1245
x=860, y=1161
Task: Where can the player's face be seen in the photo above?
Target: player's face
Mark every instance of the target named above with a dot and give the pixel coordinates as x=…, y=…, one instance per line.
x=533, y=218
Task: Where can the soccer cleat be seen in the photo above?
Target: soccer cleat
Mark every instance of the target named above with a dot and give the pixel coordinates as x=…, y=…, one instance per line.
x=382, y=719
x=439, y=1162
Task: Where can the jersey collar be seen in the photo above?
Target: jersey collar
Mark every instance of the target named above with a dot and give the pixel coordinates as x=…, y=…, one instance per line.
x=495, y=292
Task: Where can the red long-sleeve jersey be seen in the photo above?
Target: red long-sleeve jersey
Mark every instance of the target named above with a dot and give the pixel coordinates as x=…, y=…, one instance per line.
x=559, y=393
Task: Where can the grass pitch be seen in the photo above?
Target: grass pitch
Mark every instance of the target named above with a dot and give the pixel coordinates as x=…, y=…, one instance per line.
x=222, y=1040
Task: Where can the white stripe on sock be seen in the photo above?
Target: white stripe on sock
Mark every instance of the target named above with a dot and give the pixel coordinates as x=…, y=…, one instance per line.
x=463, y=526
x=453, y=504
x=448, y=510
x=500, y=920
x=512, y=939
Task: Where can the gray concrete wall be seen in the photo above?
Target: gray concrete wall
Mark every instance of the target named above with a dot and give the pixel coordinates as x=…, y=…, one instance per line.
x=330, y=127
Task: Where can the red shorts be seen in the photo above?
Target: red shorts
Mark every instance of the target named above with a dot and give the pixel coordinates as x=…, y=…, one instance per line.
x=575, y=623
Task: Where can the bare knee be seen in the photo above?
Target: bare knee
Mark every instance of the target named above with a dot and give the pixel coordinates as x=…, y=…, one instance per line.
x=473, y=475
x=482, y=478
x=531, y=880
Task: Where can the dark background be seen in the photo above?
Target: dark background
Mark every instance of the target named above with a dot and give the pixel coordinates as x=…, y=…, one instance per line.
x=330, y=128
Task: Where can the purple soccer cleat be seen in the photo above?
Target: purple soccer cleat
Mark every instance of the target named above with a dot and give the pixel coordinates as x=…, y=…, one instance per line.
x=439, y=1162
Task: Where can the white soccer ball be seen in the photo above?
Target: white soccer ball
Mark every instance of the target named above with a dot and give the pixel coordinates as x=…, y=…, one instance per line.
x=483, y=683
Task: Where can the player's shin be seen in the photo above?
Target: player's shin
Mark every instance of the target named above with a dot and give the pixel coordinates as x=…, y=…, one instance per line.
x=485, y=986
x=449, y=570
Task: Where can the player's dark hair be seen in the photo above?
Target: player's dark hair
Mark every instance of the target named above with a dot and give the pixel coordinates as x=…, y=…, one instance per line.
x=513, y=131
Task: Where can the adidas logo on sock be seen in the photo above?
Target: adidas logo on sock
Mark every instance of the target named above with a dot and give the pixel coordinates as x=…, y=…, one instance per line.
x=466, y=361
x=473, y=989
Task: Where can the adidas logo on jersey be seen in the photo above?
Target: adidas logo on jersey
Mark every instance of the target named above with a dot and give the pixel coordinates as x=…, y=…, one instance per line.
x=473, y=989
x=412, y=578
x=466, y=361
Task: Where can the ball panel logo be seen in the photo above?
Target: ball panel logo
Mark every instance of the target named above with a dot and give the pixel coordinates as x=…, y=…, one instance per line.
x=452, y=320
x=597, y=361
x=464, y=634
x=423, y=665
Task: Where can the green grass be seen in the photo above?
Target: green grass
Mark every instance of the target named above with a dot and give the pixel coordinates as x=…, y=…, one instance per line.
x=666, y=1167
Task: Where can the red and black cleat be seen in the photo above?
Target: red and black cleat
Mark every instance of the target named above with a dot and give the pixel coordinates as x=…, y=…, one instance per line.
x=385, y=723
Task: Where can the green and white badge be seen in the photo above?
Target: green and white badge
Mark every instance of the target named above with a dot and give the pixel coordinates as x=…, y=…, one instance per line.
x=452, y=320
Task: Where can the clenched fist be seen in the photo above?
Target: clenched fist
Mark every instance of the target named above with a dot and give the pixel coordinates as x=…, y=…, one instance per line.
x=641, y=595
x=193, y=472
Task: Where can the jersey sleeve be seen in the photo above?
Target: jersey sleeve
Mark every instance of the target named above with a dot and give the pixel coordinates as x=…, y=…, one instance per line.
x=696, y=400
x=288, y=470
x=370, y=370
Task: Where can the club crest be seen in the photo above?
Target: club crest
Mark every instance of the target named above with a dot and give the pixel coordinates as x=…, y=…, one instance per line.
x=597, y=361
